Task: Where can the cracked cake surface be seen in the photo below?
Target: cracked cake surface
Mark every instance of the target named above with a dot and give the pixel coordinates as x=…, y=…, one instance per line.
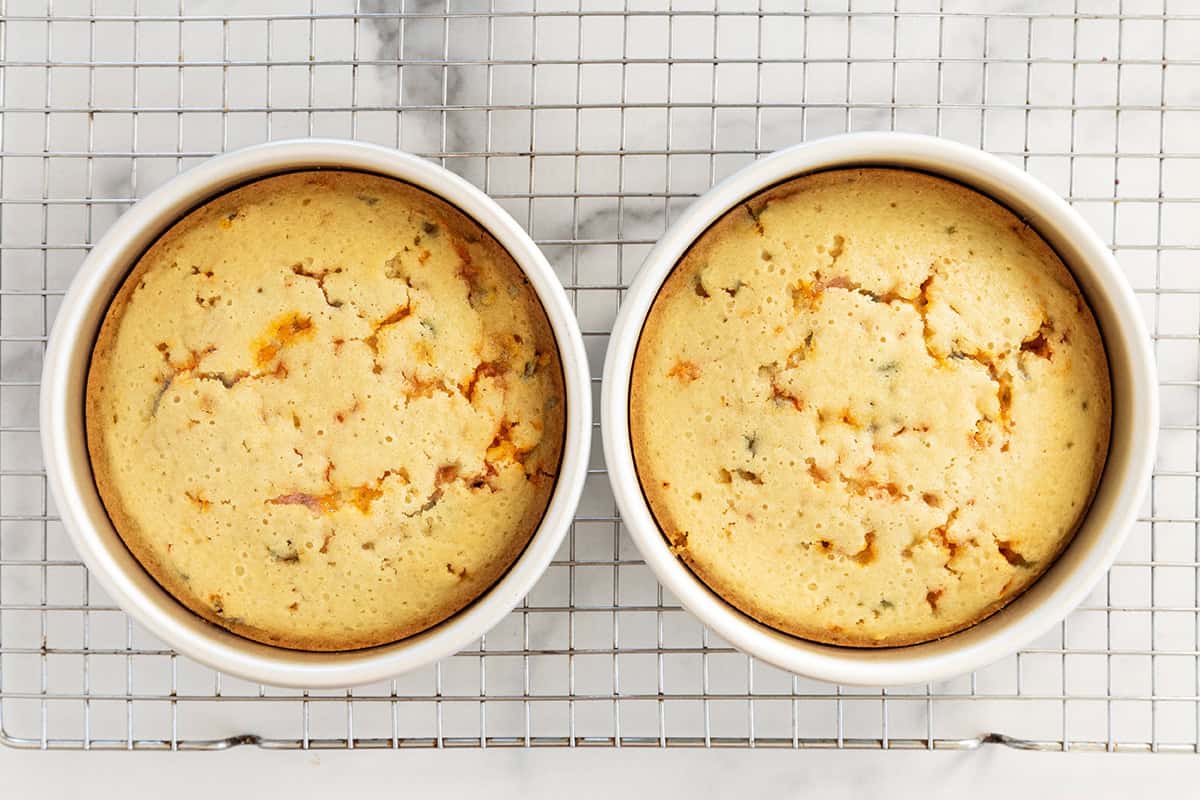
x=869, y=407
x=325, y=410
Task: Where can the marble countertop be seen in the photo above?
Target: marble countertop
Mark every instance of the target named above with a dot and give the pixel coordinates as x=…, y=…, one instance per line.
x=990, y=774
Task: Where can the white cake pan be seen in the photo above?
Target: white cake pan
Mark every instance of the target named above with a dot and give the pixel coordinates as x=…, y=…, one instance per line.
x=64, y=444
x=1126, y=474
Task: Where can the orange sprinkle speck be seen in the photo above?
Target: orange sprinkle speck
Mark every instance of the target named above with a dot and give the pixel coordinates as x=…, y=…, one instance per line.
x=281, y=333
x=685, y=371
x=363, y=496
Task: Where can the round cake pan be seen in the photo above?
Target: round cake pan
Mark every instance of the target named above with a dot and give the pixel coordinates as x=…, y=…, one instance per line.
x=65, y=447
x=1122, y=486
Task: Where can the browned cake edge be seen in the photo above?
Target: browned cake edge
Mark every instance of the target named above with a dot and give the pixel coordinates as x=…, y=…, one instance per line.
x=101, y=459
x=681, y=279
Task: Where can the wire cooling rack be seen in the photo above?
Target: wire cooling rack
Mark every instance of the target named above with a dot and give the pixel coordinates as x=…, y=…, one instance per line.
x=595, y=122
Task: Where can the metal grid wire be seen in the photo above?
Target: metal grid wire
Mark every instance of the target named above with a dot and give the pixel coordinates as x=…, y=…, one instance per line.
x=595, y=122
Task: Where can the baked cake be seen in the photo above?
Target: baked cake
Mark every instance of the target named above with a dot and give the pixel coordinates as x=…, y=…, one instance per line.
x=869, y=407
x=325, y=410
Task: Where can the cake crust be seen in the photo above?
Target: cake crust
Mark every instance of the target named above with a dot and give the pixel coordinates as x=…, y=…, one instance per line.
x=869, y=407
x=325, y=410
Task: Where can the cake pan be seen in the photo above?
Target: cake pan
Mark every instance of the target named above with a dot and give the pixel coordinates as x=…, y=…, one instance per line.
x=1122, y=485
x=64, y=443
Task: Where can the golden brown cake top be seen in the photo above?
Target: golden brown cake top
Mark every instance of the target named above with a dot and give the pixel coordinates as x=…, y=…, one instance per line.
x=869, y=407
x=325, y=410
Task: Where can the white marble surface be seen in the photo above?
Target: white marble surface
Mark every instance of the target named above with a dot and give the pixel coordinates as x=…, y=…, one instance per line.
x=995, y=774
x=595, y=181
